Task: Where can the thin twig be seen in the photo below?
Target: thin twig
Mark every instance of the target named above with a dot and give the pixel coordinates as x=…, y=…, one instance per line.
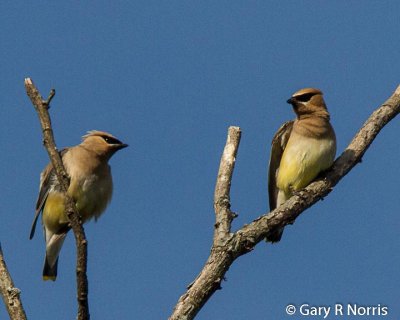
x=41, y=107
x=245, y=239
x=10, y=294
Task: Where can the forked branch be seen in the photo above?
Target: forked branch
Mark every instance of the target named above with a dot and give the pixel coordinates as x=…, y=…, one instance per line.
x=41, y=107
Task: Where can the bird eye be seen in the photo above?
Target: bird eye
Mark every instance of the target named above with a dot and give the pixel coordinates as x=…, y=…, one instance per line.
x=111, y=140
x=304, y=97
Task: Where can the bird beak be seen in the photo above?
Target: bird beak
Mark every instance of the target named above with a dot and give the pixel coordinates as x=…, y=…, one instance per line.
x=121, y=146
x=290, y=101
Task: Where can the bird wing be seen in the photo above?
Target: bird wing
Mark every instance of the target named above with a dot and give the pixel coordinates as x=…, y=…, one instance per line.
x=278, y=145
x=47, y=182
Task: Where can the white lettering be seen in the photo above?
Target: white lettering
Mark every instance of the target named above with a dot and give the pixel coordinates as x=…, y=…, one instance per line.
x=351, y=309
x=348, y=309
x=338, y=309
x=361, y=311
x=306, y=310
x=327, y=310
x=356, y=310
x=384, y=311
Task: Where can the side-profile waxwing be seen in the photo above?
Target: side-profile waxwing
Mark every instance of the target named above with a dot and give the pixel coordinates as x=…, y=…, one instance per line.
x=90, y=187
x=301, y=149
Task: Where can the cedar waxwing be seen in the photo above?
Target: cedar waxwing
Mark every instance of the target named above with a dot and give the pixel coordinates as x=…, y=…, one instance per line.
x=301, y=149
x=90, y=187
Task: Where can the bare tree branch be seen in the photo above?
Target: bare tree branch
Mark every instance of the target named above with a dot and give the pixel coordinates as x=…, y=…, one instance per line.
x=10, y=293
x=227, y=247
x=41, y=107
x=223, y=214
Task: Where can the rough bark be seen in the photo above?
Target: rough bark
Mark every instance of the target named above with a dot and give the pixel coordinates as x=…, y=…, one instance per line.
x=10, y=294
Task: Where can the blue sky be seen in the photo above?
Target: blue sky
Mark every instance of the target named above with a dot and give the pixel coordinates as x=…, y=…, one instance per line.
x=169, y=78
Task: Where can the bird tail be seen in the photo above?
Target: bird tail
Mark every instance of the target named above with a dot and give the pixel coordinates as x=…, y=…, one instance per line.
x=50, y=271
x=274, y=236
x=54, y=243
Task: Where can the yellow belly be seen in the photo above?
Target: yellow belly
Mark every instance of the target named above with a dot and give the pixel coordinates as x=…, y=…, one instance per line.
x=53, y=216
x=90, y=201
x=302, y=160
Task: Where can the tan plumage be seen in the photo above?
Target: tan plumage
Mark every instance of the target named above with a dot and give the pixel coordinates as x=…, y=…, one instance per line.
x=300, y=150
x=90, y=187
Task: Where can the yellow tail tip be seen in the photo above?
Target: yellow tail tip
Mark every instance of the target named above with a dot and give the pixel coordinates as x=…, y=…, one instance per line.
x=52, y=278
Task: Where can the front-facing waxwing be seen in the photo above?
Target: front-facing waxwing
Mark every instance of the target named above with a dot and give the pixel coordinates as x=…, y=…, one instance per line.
x=300, y=150
x=90, y=187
